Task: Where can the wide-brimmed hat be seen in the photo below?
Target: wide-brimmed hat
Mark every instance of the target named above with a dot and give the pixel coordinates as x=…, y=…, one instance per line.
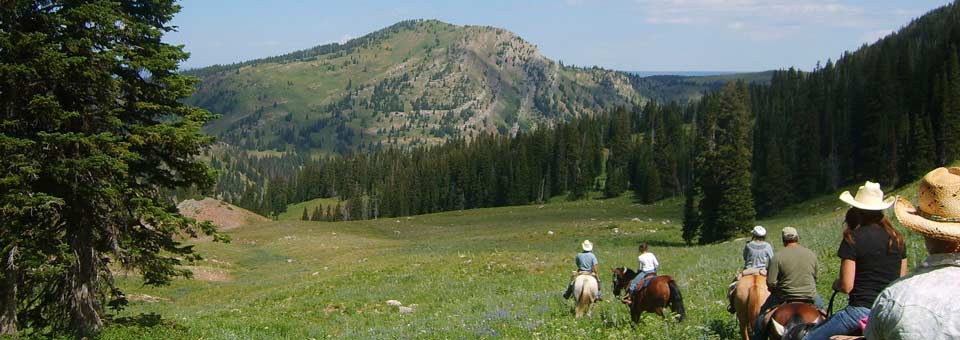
x=759, y=231
x=937, y=214
x=869, y=197
x=587, y=245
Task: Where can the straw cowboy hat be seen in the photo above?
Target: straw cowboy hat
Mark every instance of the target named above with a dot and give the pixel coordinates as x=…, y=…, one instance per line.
x=938, y=201
x=869, y=197
x=587, y=245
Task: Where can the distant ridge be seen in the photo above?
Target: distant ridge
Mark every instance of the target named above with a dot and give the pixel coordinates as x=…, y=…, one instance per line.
x=682, y=73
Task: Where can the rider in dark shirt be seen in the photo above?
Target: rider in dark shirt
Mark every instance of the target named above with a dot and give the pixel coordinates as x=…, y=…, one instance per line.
x=871, y=254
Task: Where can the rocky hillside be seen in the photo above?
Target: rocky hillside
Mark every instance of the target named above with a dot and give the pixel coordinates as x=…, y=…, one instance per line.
x=416, y=82
x=224, y=215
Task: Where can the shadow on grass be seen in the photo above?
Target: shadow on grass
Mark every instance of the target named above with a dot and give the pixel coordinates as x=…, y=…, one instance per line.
x=633, y=241
x=725, y=329
x=142, y=320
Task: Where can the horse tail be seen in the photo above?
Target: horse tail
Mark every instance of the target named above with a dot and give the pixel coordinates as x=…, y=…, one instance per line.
x=586, y=293
x=676, y=301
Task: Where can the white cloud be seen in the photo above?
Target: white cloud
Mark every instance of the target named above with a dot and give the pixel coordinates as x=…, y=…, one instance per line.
x=345, y=38
x=706, y=11
x=757, y=19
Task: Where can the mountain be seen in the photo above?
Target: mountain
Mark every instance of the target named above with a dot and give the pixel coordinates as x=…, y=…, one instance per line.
x=416, y=82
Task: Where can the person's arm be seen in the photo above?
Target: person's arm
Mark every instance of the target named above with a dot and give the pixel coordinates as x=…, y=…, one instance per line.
x=848, y=270
x=772, y=271
x=903, y=267
x=656, y=264
x=746, y=252
x=596, y=269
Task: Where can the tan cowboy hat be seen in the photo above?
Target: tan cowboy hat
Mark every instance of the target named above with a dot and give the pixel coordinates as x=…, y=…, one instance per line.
x=587, y=245
x=869, y=197
x=938, y=201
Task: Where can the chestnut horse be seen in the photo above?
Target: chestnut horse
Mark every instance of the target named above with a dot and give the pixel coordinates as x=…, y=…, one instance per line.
x=661, y=292
x=749, y=295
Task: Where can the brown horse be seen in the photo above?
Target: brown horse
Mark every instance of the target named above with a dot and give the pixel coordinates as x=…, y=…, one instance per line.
x=749, y=294
x=792, y=315
x=661, y=292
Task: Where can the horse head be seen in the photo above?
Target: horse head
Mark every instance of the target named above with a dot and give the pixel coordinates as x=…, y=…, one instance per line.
x=621, y=276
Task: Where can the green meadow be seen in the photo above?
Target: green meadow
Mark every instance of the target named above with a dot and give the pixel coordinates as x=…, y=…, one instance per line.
x=486, y=273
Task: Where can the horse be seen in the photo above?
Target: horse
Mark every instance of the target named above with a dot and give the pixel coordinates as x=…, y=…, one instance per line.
x=799, y=330
x=585, y=288
x=661, y=292
x=749, y=295
x=792, y=319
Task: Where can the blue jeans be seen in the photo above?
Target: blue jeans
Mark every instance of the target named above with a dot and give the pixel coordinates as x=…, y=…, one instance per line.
x=844, y=322
x=759, y=328
x=633, y=283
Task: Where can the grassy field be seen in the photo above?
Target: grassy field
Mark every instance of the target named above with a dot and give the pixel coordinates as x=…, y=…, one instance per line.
x=488, y=273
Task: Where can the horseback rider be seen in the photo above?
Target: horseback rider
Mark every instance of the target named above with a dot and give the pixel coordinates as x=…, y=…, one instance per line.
x=872, y=255
x=792, y=277
x=586, y=265
x=923, y=305
x=756, y=255
x=647, y=266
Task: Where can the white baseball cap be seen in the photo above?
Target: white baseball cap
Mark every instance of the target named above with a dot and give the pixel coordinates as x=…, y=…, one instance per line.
x=759, y=231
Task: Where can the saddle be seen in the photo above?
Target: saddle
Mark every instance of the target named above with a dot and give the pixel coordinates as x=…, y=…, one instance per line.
x=645, y=281
x=573, y=275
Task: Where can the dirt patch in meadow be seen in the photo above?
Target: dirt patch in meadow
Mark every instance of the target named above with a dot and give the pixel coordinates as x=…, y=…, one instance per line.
x=224, y=215
x=209, y=274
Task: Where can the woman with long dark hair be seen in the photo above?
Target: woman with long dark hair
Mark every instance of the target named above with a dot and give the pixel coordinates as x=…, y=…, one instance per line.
x=872, y=254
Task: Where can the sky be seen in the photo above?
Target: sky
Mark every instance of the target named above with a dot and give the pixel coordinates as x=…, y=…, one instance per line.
x=630, y=35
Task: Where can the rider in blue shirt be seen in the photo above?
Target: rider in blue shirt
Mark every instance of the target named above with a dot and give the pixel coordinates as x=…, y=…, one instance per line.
x=586, y=264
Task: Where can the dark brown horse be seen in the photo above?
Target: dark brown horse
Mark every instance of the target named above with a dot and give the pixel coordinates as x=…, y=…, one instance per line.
x=660, y=293
x=798, y=329
x=791, y=320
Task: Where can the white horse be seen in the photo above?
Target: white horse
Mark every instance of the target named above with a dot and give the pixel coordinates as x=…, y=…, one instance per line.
x=585, y=290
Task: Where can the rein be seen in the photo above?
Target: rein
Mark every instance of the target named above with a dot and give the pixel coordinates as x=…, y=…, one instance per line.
x=830, y=306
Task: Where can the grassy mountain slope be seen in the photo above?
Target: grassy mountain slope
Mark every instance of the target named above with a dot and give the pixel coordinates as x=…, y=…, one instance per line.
x=411, y=83
x=472, y=274
x=667, y=88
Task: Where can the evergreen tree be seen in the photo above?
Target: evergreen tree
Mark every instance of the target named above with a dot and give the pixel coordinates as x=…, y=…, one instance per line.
x=691, y=217
x=951, y=108
x=94, y=132
x=317, y=213
x=733, y=196
x=922, y=156
x=618, y=155
x=305, y=216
